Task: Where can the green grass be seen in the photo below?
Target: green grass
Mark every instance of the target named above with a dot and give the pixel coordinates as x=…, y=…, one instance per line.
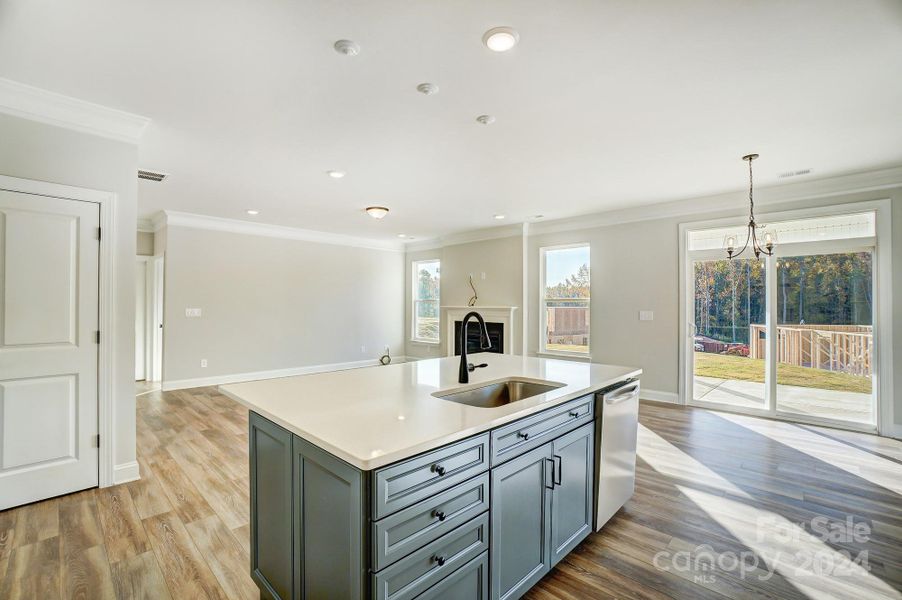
x=741, y=368
x=567, y=347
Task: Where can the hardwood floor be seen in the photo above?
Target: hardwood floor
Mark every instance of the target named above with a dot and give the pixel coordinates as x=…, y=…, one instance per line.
x=736, y=494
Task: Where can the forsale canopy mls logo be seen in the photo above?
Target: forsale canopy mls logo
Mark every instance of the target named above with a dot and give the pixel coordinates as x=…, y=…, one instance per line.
x=813, y=552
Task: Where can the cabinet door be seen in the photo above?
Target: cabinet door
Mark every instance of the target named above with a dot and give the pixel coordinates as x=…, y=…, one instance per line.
x=521, y=523
x=270, y=479
x=571, y=500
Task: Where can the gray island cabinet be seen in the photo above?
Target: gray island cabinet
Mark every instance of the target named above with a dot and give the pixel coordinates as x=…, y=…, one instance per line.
x=484, y=517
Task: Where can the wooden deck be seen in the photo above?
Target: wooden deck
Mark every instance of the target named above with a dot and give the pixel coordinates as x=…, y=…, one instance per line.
x=707, y=483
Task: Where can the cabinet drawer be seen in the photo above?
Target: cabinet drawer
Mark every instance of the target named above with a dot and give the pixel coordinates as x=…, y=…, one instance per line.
x=470, y=582
x=401, y=485
x=397, y=535
x=426, y=567
x=518, y=437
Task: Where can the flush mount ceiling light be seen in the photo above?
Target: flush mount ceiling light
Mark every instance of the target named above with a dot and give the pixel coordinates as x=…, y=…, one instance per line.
x=377, y=212
x=769, y=238
x=335, y=174
x=427, y=89
x=485, y=119
x=346, y=47
x=252, y=212
x=500, y=39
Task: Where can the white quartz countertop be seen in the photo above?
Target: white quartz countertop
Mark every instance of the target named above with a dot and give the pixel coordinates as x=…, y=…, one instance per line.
x=374, y=416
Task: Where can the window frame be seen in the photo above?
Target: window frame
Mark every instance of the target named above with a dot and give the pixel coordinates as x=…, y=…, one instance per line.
x=543, y=312
x=415, y=301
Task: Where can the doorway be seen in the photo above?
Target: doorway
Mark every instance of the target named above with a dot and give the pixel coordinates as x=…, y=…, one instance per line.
x=789, y=336
x=148, y=321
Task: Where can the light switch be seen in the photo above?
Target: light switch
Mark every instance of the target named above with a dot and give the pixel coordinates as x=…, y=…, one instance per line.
x=646, y=315
x=193, y=312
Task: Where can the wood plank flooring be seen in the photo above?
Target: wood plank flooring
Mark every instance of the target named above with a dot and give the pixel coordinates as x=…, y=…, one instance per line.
x=725, y=507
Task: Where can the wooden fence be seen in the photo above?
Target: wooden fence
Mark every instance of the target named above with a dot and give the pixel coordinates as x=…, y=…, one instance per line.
x=844, y=348
x=567, y=324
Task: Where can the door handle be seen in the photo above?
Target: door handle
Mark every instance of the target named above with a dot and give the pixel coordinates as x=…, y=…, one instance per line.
x=548, y=460
x=626, y=393
x=557, y=473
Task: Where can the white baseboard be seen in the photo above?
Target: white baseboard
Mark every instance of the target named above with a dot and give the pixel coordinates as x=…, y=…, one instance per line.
x=658, y=396
x=126, y=472
x=181, y=384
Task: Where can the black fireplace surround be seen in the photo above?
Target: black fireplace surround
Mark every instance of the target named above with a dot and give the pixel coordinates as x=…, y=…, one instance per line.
x=496, y=336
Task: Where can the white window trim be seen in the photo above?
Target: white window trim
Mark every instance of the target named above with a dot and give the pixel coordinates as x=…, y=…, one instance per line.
x=543, y=314
x=414, y=269
x=883, y=302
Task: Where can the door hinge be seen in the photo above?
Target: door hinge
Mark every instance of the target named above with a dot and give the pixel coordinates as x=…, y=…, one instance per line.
x=97, y=441
x=99, y=230
x=97, y=337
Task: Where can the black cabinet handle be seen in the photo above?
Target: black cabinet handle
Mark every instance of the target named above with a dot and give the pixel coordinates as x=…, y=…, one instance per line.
x=558, y=469
x=574, y=413
x=522, y=435
x=438, y=514
x=438, y=469
x=440, y=560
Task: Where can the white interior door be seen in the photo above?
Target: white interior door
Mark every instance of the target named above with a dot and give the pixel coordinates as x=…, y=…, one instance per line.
x=49, y=252
x=141, y=320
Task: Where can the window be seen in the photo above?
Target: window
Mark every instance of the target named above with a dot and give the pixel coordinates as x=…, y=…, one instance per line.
x=565, y=299
x=426, y=295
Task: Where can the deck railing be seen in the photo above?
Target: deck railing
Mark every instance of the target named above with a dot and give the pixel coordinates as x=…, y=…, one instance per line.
x=843, y=348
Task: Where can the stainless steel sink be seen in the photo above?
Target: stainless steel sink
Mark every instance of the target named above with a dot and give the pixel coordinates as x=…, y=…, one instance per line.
x=499, y=394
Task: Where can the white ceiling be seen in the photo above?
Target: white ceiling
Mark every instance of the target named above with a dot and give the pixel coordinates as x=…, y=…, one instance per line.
x=602, y=105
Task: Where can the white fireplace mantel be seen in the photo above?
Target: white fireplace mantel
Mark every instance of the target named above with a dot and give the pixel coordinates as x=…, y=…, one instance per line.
x=491, y=314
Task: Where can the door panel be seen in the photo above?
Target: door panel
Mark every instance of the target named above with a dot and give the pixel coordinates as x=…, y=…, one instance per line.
x=571, y=501
x=49, y=255
x=521, y=523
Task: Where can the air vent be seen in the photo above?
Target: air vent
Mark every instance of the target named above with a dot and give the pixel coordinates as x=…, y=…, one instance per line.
x=793, y=173
x=151, y=176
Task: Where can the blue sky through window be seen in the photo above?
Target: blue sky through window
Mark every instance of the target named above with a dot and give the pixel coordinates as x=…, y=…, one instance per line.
x=560, y=264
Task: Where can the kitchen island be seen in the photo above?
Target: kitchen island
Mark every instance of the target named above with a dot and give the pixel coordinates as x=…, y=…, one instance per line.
x=366, y=484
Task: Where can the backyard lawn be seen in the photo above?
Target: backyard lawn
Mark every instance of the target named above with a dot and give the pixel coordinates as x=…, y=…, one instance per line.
x=725, y=366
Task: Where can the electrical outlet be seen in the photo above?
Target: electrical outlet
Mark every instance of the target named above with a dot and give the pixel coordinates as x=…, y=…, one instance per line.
x=203, y=363
x=363, y=349
x=483, y=275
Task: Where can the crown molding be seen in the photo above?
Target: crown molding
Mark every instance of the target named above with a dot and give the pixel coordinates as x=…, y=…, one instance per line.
x=865, y=181
x=194, y=221
x=36, y=104
x=467, y=237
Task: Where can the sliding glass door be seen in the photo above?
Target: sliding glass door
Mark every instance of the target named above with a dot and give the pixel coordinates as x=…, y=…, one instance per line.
x=790, y=335
x=825, y=336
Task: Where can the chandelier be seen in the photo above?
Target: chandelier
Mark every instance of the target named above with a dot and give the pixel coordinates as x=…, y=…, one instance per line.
x=768, y=240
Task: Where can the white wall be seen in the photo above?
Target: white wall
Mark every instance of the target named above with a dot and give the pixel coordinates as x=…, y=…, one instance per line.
x=502, y=262
x=144, y=243
x=272, y=304
x=32, y=150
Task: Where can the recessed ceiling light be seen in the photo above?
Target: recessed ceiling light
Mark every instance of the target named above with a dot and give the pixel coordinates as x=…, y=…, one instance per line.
x=346, y=47
x=335, y=174
x=252, y=212
x=538, y=216
x=499, y=217
x=377, y=212
x=501, y=39
x=427, y=89
x=401, y=235
x=485, y=119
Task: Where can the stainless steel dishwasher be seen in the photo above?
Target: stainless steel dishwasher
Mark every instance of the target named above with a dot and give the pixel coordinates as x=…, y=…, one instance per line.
x=616, y=425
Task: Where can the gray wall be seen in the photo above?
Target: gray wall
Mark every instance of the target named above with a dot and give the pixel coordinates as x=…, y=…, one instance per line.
x=32, y=150
x=502, y=262
x=271, y=303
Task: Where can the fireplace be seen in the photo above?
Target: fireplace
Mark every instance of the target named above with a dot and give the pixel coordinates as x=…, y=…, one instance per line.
x=496, y=336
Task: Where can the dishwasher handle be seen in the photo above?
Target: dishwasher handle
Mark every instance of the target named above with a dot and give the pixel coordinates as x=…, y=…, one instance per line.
x=625, y=393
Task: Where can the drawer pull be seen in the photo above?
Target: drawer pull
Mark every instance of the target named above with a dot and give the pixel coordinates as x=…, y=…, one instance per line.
x=438, y=514
x=437, y=469
x=522, y=435
x=439, y=559
x=573, y=413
